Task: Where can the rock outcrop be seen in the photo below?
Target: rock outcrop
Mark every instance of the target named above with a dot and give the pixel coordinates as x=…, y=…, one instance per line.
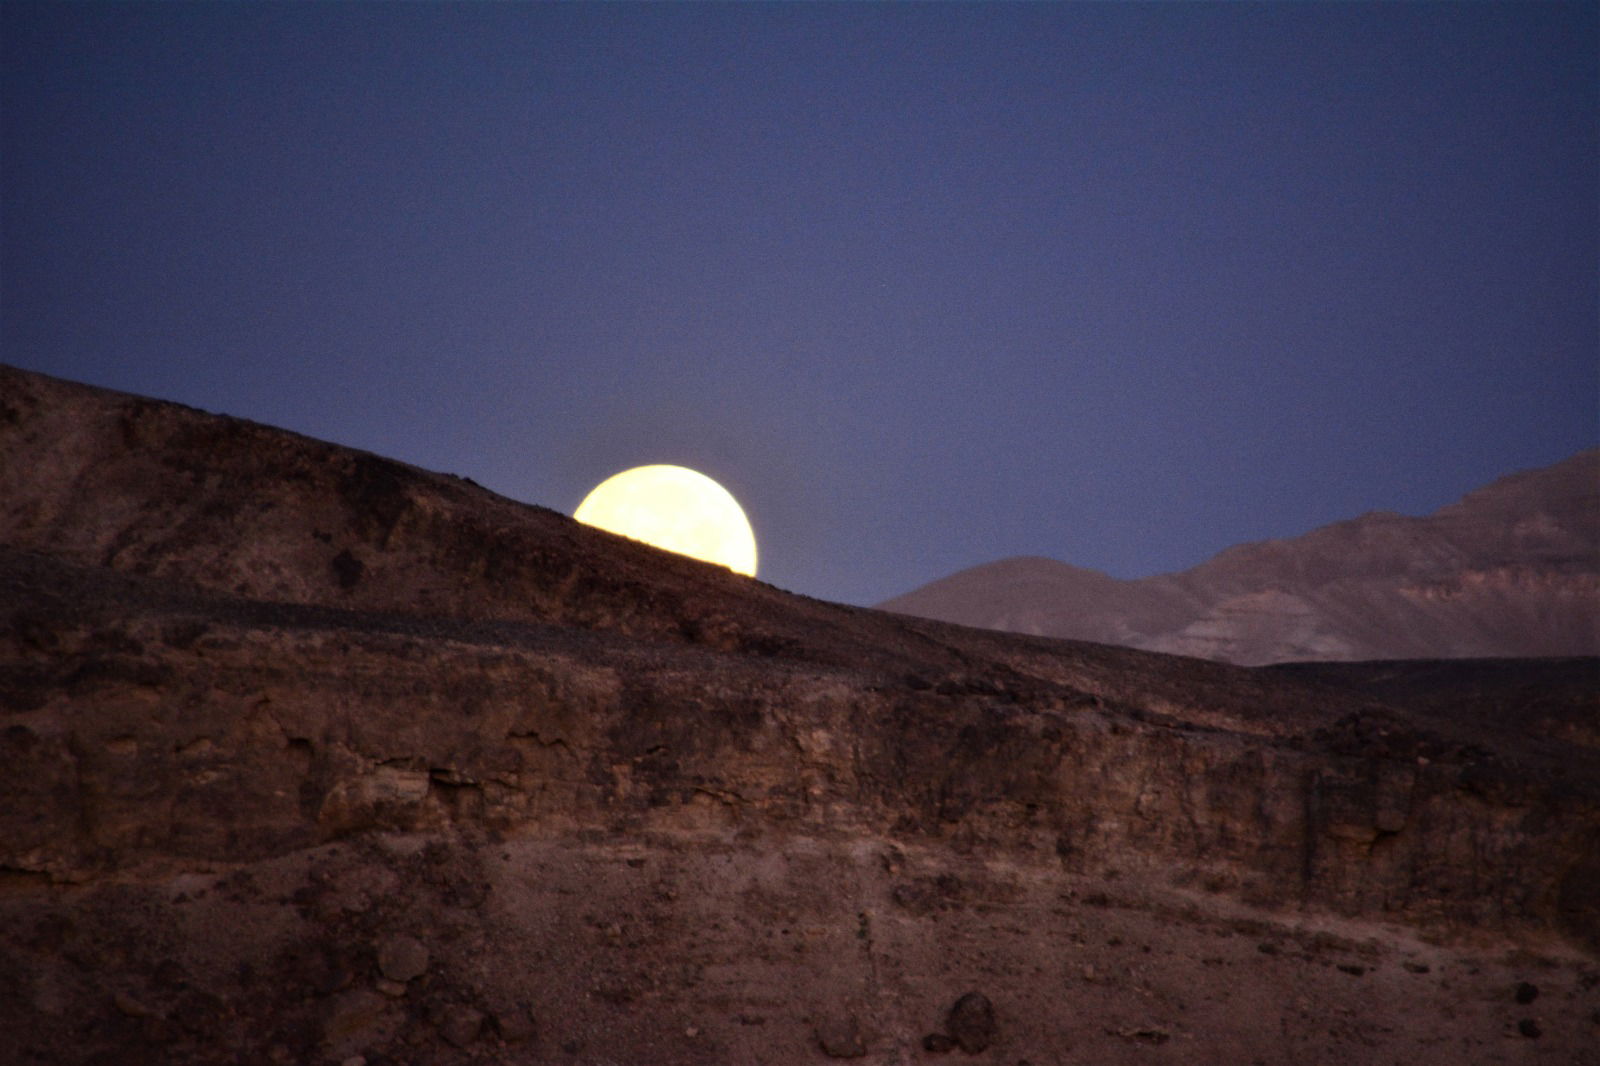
x=1513, y=569
x=315, y=757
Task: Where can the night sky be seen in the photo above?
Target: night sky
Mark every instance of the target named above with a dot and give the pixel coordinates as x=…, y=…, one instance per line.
x=924, y=286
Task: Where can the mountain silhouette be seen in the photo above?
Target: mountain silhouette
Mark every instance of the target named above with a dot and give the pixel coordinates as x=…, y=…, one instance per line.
x=1512, y=569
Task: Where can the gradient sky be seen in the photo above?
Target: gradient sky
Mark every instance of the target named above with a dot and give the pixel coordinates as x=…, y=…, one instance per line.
x=924, y=286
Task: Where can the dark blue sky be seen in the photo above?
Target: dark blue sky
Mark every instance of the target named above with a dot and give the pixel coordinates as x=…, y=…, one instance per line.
x=923, y=285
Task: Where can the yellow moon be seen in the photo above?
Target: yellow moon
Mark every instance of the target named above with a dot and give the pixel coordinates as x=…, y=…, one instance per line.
x=675, y=508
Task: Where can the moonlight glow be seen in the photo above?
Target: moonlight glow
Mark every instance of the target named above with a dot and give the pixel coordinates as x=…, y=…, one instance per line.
x=677, y=509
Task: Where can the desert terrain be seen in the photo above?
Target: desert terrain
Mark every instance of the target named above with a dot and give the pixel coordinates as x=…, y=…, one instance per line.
x=1510, y=570
x=315, y=757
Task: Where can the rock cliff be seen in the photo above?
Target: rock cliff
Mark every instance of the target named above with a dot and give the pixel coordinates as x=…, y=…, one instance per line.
x=316, y=757
x=1513, y=569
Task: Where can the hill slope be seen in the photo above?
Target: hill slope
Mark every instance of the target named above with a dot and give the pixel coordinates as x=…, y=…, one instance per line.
x=1513, y=569
x=311, y=755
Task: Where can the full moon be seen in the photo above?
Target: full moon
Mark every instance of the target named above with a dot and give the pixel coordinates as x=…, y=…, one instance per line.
x=675, y=508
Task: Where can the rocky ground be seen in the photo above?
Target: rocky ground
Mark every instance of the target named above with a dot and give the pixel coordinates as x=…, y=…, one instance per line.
x=314, y=757
x=707, y=948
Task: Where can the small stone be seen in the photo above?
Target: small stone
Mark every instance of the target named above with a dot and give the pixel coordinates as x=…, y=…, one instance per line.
x=356, y=1019
x=461, y=1025
x=691, y=1031
x=393, y=989
x=516, y=1025
x=1150, y=1035
x=400, y=958
x=1088, y=972
x=840, y=1037
x=971, y=1022
x=937, y=1043
x=1527, y=993
x=1529, y=1028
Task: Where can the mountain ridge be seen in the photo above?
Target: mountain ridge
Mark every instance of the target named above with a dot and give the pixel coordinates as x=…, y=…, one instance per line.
x=1510, y=569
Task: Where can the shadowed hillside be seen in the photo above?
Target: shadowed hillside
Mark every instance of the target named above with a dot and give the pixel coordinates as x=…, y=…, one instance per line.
x=315, y=756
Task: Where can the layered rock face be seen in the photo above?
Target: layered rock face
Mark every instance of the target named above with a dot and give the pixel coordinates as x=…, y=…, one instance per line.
x=313, y=756
x=1513, y=569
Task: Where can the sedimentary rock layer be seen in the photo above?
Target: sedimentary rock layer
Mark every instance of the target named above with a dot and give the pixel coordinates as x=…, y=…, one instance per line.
x=313, y=755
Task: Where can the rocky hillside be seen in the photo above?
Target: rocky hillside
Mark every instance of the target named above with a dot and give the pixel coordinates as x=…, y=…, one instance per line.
x=1513, y=569
x=314, y=757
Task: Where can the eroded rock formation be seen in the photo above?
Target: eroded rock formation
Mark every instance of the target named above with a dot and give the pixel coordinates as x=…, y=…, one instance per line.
x=314, y=756
x=1511, y=570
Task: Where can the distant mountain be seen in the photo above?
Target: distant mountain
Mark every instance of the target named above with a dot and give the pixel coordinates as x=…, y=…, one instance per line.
x=1512, y=569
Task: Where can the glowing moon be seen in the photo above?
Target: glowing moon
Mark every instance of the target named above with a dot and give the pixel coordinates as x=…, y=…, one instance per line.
x=674, y=508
